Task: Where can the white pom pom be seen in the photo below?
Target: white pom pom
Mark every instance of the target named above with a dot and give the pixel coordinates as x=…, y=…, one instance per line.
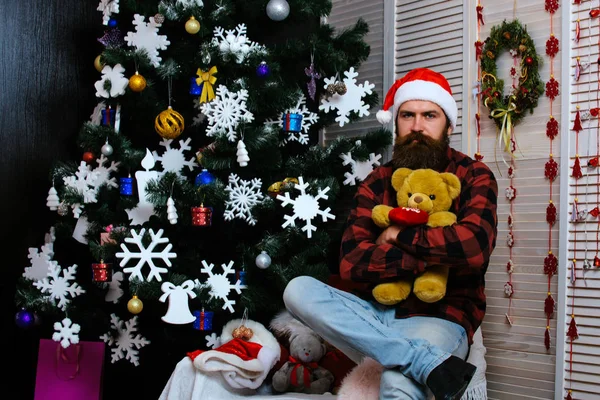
x=384, y=117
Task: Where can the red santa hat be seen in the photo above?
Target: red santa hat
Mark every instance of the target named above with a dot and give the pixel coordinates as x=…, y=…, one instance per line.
x=419, y=84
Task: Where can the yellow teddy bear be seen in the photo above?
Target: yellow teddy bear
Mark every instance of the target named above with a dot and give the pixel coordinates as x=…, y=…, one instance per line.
x=418, y=192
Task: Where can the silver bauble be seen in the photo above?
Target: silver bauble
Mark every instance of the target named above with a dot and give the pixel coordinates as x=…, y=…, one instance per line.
x=107, y=149
x=278, y=10
x=263, y=260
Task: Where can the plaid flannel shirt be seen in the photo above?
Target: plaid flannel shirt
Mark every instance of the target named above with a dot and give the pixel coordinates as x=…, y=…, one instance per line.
x=465, y=246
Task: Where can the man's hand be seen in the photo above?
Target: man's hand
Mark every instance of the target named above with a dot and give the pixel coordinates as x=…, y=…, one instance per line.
x=389, y=235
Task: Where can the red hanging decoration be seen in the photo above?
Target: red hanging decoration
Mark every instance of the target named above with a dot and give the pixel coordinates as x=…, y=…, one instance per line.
x=594, y=212
x=596, y=261
x=551, y=170
x=552, y=88
x=594, y=13
x=572, y=331
x=479, y=9
x=577, y=124
x=594, y=112
x=569, y=394
x=552, y=128
x=547, y=338
x=478, y=49
x=550, y=265
x=592, y=162
x=551, y=6
x=552, y=46
x=549, y=305
x=551, y=213
x=576, y=169
x=577, y=31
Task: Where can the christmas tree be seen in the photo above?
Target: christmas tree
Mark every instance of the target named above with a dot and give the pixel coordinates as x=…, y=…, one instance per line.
x=203, y=188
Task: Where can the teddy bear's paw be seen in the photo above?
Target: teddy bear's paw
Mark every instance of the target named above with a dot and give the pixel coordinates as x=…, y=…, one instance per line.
x=380, y=215
x=392, y=293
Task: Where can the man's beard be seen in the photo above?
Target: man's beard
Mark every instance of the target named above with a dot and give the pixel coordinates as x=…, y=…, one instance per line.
x=419, y=151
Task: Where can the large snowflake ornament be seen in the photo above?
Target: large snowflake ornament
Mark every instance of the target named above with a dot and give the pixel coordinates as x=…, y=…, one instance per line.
x=40, y=261
x=108, y=8
x=243, y=195
x=308, y=119
x=360, y=169
x=146, y=255
x=59, y=287
x=117, y=80
x=67, y=333
x=173, y=160
x=127, y=344
x=102, y=173
x=220, y=287
x=235, y=43
x=146, y=37
x=351, y=100
x=306, y=207
x=84, y=182
x=226, y=111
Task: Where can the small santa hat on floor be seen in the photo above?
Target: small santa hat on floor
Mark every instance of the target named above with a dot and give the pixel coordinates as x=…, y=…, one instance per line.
x=419, y=84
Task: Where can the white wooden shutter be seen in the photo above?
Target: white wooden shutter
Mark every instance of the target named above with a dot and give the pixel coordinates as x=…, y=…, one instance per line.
x=583, y=296
x=429, y=33
x=344, y=14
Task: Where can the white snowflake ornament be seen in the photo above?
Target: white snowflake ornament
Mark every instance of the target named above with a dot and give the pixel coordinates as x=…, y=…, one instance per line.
x=235, y=43
x=220, y=287
x=213, y=341
x=117, y=80
x=40, y=263
x=308, y=119
x=67, y=333
x=108, y=8
x=127, y=345
x=114, y=292
x=360, y=169
x=83, y=182
x=59, y=287
x=226, y=111
x=243, y=195
x=306, y=207
x=350, y=101
x=102, y=173
x=178, y=312
x=146, y=255
x=190, y=3
x=146, y=37
x=174, y=160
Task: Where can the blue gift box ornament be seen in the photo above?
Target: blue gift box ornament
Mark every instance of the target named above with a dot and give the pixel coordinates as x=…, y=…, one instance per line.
x=108, y=117
x=126, y=186
x=195, y=89
x=203, y=320
x=292, y=122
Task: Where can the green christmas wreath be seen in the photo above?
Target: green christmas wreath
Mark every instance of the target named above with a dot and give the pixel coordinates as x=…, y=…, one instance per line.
x=507, y=110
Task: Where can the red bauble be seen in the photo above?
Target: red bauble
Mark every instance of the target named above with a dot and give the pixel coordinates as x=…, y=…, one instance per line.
x=528, y=60
x=89, y=157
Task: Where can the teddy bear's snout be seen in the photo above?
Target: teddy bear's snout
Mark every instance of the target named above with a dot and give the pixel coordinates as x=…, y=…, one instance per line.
x=417, y=199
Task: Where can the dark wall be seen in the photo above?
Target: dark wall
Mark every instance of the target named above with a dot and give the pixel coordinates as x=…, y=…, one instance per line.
x=47, y=50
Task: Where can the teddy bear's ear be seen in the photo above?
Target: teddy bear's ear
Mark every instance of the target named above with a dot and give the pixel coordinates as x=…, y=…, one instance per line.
x=399, y=176
x=453, y=184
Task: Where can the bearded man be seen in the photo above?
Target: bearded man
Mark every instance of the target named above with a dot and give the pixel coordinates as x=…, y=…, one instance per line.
x=422, y=346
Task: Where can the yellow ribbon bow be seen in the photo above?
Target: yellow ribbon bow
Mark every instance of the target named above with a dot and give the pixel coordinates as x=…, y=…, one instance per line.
x=207, y=80
x=506, y=128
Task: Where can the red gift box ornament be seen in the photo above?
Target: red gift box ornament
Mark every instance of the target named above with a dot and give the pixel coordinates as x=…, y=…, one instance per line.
x=101, y=272
x=202, y=216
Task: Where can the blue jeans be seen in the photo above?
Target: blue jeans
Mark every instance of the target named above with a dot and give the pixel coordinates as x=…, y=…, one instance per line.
x=409, y=348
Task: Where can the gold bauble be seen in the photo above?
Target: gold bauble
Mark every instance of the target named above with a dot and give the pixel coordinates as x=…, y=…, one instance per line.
x=137, y=82
x=169, y=124
x=98, y=64
x=192, y=26
x=135, y=305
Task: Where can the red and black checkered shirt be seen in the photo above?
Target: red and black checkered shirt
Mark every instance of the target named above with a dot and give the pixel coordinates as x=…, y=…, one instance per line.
x=465, y=246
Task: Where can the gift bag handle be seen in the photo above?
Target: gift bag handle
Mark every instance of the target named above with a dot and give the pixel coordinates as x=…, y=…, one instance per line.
x=61, y=355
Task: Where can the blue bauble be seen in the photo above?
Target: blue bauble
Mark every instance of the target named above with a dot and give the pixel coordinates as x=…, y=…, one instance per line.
x=204, y=178
x=112, y=22
x=24, y=319
x=263, y=70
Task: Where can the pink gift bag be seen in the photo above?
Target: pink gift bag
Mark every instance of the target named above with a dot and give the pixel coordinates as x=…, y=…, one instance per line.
x=74, y=373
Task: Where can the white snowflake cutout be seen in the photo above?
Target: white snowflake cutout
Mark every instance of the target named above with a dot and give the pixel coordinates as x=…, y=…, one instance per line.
x=146, y=255
x=40, y=262
x=108, y=7
x=173, y=160
x=146, y=37
x=84, y=182
x=226, y=111
x=213, y=341
x=243, y=195
x=114, y=292
x=127, y=344
x=102, y=173
x=308, y=119
x=190, y=3
x=67, y=333
x=58, y=287
x=220, y=285
x=306, y=207
x=117, y=80
x=350, y=101
x=234, y=42
x=360, y=169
